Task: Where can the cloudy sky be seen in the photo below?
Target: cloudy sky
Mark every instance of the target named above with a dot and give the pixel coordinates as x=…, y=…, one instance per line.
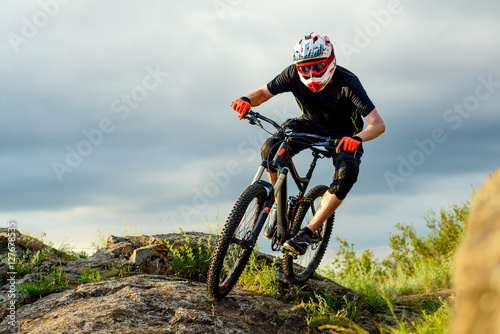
x=115, y=115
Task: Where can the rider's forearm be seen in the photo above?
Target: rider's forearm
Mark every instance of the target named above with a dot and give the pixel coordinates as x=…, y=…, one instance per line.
x=372, y=131
x=375, y=128
x=259, y=96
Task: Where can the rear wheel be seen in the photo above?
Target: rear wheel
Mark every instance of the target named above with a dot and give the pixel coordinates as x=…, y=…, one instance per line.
x=298, y=269
x=232, y=251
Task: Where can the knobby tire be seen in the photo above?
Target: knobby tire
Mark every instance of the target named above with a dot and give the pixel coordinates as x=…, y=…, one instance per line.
x=231, y=256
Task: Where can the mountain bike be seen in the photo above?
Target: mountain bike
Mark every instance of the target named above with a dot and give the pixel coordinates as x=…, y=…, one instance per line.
x=239, y=236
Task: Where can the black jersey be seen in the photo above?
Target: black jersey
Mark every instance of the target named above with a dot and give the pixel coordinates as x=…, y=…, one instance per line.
x=338, y=107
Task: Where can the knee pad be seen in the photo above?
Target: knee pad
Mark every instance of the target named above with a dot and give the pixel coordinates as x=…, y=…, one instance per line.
x=270, y=148
x=265, y=151
x=346, y=174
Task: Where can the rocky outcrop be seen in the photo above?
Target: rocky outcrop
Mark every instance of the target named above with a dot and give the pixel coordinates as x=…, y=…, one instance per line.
x=149, y=304
x=477, y=265
x=137, y=291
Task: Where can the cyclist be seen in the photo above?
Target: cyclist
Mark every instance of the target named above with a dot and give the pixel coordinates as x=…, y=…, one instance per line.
x=332, y=100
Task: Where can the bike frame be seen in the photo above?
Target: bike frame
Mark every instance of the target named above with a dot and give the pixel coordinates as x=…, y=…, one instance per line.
x=239, y=237
x=280, y=189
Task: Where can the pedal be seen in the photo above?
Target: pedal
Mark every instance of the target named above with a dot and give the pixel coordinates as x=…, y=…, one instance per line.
x=275, y=247
x=316, y=238
x=276, y=243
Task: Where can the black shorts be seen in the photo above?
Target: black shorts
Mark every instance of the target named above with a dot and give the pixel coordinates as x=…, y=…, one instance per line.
x=346, y=163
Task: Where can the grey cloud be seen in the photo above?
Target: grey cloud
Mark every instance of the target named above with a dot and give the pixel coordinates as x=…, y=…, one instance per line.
x=162, y=151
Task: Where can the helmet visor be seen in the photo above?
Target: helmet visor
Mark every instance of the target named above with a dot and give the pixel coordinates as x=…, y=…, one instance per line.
x=316, y=68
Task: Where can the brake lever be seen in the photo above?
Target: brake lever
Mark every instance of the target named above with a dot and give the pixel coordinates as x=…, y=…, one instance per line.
x=332, y=144
x=250, y=119
x=253, y=120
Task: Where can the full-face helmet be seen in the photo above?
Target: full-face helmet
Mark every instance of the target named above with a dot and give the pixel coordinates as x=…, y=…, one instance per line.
x=315, y=61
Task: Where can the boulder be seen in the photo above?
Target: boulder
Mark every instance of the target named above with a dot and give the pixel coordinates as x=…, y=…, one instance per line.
x=149, y=304
x=477, y=265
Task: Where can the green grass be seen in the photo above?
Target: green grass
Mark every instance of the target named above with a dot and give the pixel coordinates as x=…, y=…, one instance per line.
x=260, y=277
x=100, y=243
x=89, y=276
x=430, y=322
x=416, y=265
x=191, y=260
x=433, y=318
x=328, y=313
x=23, y=264
x=56, y=280
x=29, y=259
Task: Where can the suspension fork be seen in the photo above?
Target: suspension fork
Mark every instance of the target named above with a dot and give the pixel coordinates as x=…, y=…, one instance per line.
x=281, y=207
x=260, y=171
x=279, y=189
x=283, y=171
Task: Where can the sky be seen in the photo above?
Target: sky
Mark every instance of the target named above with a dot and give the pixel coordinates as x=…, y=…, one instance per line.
x=116, y=118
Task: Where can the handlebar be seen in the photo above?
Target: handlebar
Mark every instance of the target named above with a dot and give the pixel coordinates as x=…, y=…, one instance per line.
x=253, y=118
x=327, y=142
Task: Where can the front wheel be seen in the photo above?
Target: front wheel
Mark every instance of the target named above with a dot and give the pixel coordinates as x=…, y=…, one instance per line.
x=232, y=250
x=298, y=269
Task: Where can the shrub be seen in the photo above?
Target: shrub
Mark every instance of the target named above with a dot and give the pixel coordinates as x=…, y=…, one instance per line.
x=417, y=264
x=192, y=260
x=439, y=245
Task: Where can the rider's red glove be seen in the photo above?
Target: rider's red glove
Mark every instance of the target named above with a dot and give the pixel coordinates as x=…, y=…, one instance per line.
x=242, y=105
x=349, y=143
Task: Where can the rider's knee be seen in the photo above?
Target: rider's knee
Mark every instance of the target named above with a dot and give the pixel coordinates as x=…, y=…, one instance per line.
x=270, y=148
x=344, y=178
x=266, y=149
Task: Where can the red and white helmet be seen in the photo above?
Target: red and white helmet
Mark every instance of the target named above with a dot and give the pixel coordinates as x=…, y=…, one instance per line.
x=315, y=60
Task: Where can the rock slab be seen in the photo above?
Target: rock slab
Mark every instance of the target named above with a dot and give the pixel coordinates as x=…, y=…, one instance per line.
x=477, y=265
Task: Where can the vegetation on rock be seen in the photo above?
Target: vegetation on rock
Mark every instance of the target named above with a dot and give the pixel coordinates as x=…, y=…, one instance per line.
x=407, y=292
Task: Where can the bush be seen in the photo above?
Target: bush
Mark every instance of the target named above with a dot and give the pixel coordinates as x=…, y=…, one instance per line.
x=417, y=264
x=192, y=260
x=439, y=245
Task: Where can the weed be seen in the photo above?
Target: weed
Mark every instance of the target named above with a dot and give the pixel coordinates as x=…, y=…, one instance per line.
x=81, y=254
x=65, y=246
x=439, y=245
x=56, y=280
x=282, y=316
x=260, y=277
x=89, y=276
x=36, y=289
x=191, y=260
x=135, y=233
x=100, y=243
x=323, y=316
x=246, y=319
x=22, y=265
x=428, y=322
x=417, y=264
